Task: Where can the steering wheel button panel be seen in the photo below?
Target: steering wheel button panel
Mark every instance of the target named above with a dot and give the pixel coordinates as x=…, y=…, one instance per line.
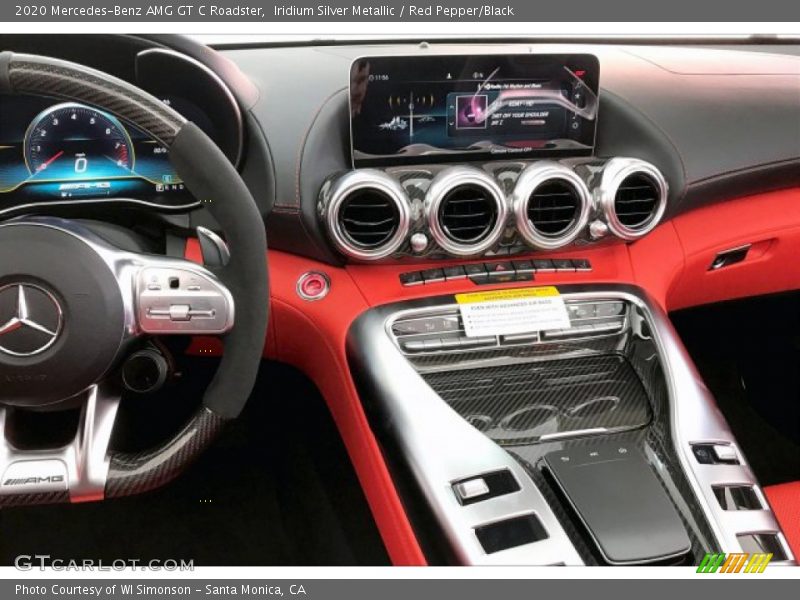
x=182, y=300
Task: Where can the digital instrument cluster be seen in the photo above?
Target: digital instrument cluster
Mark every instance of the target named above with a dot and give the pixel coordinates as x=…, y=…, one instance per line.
x=418, y=109
x=53, y=151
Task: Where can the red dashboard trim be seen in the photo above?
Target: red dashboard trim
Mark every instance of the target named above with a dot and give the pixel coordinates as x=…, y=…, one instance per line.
x=785, y=502
x=671, y=263
x=769, y=222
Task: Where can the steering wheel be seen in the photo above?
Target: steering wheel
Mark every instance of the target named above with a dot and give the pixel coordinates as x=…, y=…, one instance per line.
x=72, y=305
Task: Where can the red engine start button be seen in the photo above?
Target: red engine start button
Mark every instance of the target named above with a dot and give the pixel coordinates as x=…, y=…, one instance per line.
x=313, y=286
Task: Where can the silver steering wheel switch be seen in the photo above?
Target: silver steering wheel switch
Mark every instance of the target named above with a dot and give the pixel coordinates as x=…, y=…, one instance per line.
x=178, y=300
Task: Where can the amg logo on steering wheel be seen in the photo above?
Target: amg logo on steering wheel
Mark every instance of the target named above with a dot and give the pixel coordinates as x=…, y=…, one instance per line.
x=34, y=480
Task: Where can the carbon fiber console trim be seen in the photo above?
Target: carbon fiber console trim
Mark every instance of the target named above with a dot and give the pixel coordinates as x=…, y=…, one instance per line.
x=547, y=400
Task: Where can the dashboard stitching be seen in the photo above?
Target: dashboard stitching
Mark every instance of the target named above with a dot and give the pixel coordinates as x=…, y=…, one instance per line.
x=304, y=140
x=749, y=169
x=658, y=128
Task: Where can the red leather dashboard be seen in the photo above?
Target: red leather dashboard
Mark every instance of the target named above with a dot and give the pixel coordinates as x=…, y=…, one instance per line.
x=671, y=263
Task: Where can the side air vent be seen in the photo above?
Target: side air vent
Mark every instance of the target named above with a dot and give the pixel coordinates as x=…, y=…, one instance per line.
x=551, y=204
x=636, y=201
x=633, y=197
x=466, y=210
x=366, y=213
x=369, y=218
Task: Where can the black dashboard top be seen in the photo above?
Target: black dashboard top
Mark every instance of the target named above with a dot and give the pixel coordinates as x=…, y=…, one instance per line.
x=717, y=111
x=717, y=122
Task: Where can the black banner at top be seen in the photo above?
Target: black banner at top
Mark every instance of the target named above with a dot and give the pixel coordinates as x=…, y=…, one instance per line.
x=266, y=11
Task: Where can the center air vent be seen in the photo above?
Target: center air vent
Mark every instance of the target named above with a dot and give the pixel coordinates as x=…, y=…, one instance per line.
x=366, y=213
x=468, y=214
x=466, y=210
x=633, y=196
x=369, y=218
x=551, y=204
x=553, y=207
x=636, y=201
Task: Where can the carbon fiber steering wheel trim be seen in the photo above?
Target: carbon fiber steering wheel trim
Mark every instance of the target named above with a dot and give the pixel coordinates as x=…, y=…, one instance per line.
x=30, y=74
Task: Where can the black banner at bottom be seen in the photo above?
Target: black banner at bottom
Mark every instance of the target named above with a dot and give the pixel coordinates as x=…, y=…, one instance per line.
x=727, y=586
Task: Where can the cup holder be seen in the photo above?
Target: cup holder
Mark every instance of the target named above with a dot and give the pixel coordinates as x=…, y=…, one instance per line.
x=480, y=422
x=593, y=408
x=529, y=417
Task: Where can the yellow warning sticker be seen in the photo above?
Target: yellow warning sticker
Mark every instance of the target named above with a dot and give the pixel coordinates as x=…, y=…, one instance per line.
x=508, y=312
x=498, y=295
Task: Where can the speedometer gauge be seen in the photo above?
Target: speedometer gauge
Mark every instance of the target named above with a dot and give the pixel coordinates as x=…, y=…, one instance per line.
x=76, y=142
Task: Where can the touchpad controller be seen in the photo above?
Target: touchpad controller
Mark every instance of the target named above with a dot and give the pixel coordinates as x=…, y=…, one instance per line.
x=622, y=504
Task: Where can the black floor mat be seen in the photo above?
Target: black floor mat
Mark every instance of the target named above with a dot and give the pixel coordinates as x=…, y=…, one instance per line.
x=748, y=353
x=276, y=489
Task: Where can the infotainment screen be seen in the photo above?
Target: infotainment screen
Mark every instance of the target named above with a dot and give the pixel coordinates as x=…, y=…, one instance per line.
x=416, y=109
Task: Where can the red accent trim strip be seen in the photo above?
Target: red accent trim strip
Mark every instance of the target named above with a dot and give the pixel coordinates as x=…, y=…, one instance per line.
x=785, y=502
x=193, y=251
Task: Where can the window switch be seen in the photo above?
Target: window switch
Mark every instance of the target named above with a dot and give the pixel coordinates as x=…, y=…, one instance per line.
x=471, y=488
x=483, y=487
x=726, y=454
x=715, y=454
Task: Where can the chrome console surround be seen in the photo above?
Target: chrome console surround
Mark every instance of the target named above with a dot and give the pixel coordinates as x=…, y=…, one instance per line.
x=440, y=447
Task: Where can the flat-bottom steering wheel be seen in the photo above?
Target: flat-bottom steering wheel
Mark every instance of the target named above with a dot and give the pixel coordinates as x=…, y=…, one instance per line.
x=72, y=305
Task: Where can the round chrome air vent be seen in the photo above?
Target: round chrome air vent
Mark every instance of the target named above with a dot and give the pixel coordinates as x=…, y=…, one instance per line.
x=551, y=204
x=366, y=213
x=466, y=210
x=633, y=197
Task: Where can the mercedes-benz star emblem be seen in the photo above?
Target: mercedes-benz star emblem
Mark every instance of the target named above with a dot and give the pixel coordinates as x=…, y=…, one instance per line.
x=30, y=319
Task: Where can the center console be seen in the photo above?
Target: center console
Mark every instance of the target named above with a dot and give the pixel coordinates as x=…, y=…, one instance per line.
x=596, y=443
x=569, y=426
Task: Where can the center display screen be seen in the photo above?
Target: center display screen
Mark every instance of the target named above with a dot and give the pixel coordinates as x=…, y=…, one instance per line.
x=417, y=109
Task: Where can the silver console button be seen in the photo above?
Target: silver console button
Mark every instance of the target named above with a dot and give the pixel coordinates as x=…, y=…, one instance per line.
x=472, y=488
x=725, y=453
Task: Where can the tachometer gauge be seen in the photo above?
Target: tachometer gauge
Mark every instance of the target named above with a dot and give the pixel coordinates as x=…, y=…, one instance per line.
x=76, y=142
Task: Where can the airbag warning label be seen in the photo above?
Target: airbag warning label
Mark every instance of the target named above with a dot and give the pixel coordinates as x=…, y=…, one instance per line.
x=508, y=312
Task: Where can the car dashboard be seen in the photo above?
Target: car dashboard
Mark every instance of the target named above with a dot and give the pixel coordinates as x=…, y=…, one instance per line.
x=400, y=180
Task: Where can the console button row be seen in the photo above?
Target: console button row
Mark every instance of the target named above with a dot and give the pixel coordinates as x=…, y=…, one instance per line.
x=455, y=342
x=496, y=272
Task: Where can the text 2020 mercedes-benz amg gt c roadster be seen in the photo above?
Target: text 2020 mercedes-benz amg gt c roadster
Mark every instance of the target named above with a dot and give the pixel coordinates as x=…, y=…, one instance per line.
x=399, y=302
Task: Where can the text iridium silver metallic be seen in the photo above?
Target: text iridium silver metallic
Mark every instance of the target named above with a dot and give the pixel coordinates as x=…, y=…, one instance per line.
x=545, y=205
x=441, y=447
